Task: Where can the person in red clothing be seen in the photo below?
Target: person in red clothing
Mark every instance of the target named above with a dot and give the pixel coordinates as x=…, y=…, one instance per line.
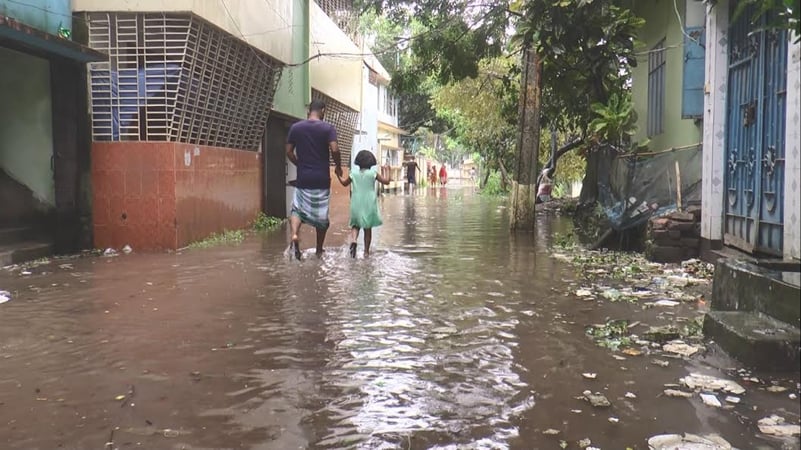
x=443, y=175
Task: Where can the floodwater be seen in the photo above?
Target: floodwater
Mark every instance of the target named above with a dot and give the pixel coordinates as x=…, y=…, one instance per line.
x=453, y=334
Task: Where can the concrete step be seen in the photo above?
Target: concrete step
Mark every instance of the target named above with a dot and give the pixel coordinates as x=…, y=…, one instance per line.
x=768, y=287
x=10, y=235
x=755, y=339
x=24, y=251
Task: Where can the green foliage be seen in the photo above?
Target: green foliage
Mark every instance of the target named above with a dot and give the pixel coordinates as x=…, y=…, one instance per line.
x=779, y=14
x=494, y=186
x=615, y=122
x=615, y=119
x=263, y=222
x=227, y=237
x=464, y=56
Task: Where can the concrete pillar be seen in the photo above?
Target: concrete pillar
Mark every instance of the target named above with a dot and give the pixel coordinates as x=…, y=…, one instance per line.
x=792, y=147
x=713, y=186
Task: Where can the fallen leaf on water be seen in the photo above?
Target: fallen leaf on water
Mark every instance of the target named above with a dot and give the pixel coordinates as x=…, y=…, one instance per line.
x=119, y=398
x=632, y=352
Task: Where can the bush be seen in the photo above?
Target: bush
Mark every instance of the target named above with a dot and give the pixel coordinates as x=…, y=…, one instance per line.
x=263, y=222
x=494, y=187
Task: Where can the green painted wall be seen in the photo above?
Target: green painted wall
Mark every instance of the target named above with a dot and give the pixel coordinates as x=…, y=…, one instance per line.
x=46, y=15
x=26, y=122
x=293, y=93
x=661, y=22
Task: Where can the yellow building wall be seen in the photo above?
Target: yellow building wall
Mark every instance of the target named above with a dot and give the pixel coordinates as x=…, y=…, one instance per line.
x=338, y=72
x=266, y=24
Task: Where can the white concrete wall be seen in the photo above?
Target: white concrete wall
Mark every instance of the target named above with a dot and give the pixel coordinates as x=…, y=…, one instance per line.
x=266, y=24
x=792, y=147
x=337, y=73
x=713, y=174
x=368, y=119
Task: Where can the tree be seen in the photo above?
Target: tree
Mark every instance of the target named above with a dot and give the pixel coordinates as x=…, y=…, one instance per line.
x=482, y=113
x=584, y=49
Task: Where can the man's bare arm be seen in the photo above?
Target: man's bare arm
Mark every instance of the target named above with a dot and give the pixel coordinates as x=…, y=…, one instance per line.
x=336, y=156
x=290, y=154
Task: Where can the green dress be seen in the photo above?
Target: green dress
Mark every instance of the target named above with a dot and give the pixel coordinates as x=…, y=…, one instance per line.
x=363, y=203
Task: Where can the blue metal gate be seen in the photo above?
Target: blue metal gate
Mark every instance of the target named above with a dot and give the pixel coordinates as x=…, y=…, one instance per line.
x=755, y=121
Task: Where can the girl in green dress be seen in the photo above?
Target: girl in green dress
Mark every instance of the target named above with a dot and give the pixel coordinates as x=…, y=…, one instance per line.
x=363, y=202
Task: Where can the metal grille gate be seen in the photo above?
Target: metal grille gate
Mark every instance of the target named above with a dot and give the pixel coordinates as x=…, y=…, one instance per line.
x=755, y=125
x=175, y=77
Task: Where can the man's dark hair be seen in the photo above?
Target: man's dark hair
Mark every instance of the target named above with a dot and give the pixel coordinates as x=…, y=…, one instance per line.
x=365, y=159
x=316, y=106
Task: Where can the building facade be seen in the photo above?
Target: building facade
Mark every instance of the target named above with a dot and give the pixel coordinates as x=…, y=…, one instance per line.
x=191, y=106
x=752, y=165
x=44, y=143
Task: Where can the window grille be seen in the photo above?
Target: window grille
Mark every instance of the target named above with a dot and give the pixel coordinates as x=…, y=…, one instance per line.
x=344, y=119
x=175, y=77
x=342, y=13
x=656, y=89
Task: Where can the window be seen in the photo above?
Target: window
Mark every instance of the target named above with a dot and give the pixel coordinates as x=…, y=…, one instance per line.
x=656, y=89
x=692, y=101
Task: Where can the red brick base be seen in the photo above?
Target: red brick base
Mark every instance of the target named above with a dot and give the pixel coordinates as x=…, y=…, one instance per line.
x=162, y=195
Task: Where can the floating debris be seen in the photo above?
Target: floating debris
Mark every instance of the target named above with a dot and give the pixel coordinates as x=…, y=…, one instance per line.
x=666, y=303
x=597, y=399
x=774, y=389
x=710, y=383
x=681, y=348
x=660, y=362
x=551, y=432
x=584, y=443
x=777, y=426
x=4, y=296
x=688, y=442
x=584, y=293
x=630, y=395
x=711, y=400
x=678, y=393
x=589, y=375
x=613, y=420
x=732, y=399
x=664, y=333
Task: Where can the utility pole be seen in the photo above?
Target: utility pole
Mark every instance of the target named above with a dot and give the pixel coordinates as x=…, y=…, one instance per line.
x=524, y=186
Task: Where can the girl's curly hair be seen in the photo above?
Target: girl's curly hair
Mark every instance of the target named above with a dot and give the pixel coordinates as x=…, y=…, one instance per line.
x=365, y=159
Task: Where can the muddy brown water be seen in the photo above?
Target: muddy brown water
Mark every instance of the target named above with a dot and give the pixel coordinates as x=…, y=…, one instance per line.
x=454, y=334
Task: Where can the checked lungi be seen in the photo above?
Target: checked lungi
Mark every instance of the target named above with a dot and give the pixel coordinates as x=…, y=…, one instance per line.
x=311, y=206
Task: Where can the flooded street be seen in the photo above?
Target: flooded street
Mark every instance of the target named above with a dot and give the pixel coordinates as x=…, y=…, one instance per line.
x=453, y=334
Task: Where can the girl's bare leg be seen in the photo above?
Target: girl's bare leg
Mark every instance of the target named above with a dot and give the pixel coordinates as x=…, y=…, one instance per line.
x=354, y=235
x=368, y=238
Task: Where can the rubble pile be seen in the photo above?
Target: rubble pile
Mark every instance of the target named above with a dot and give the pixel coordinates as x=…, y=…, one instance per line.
x=674, y=237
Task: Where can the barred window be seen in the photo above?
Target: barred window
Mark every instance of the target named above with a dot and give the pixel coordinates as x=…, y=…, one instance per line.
x=656, y=89
x=176, y=77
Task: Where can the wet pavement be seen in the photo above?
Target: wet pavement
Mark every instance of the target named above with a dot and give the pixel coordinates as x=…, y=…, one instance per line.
x=453, y=334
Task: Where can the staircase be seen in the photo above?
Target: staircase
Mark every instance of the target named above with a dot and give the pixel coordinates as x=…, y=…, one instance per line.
x=20, y=244
x=756, y=312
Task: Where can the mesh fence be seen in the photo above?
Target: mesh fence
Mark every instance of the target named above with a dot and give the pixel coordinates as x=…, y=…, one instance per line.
x=633, y=188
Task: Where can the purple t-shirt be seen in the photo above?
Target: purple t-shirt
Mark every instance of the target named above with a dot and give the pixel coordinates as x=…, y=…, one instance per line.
x=311, y=139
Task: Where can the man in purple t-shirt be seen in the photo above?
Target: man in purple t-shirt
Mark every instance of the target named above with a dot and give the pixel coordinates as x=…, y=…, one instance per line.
x=308, y=146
